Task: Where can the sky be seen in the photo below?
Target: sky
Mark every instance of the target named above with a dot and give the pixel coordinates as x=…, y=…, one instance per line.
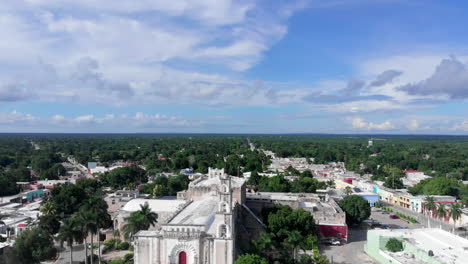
x=240, y=66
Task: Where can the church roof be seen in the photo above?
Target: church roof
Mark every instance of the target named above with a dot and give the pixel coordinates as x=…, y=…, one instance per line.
x=198, y=213
x=156, y=205
x=236, y=182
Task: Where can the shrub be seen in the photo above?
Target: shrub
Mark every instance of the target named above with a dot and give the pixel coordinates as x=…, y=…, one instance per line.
x=128, y=257
x=123, y=246
x=117, y=261
x=394, y=245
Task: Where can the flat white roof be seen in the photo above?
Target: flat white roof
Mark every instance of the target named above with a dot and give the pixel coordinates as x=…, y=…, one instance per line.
x=156, y=205
x=447, y=247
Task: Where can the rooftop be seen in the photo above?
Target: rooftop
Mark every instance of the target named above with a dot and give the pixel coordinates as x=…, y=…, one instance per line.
x=447, y=247
x=198, y=213
x=156, y=205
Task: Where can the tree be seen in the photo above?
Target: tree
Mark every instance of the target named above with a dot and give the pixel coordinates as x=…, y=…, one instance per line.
x=393, y=182
x=251, y=259
x=150, y=217
x=159, y=190
x=70, y=232
x=133, y=225
x=88, y=223
x=97, y=206
x=67, y=199
x=287, y=231
x=394, y=245
x=331, y=184
x=307, y=173
x=440, y=212
x=33, y=246
x=348, y=191
x=430, y=204
x=49, y=208
x=139, y=220
x=455, y=213
x=294, y=241
x=357, y=209
x=254, y=178
x=49, y=223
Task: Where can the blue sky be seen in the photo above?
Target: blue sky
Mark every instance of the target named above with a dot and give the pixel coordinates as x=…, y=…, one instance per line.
x=221, y=66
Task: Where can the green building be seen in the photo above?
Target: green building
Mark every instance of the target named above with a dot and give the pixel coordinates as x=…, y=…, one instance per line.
x=426, y=245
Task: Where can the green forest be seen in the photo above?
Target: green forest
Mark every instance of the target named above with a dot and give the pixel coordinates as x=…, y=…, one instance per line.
x=26, y=157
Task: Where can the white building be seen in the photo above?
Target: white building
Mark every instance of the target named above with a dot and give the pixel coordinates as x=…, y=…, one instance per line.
x=198, y=230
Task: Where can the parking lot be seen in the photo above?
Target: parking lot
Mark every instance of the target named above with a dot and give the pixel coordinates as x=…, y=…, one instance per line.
x=353, y=251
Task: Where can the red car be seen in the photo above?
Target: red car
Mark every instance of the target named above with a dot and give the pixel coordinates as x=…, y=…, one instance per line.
x=394, y=216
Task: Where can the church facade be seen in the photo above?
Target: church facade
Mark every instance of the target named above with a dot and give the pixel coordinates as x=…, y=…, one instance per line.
x=203, y=230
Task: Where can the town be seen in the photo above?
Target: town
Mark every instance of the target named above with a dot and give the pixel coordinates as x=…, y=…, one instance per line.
x=132, y=211
x=233, y=132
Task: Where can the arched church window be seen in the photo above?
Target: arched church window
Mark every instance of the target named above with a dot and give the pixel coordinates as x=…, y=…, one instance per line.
x=224, y=188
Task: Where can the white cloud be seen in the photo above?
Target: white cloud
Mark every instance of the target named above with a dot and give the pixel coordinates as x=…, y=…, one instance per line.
x=15, y=117
x=413, y=125
x=11, y=121
x=360, y=123
x=462, y=126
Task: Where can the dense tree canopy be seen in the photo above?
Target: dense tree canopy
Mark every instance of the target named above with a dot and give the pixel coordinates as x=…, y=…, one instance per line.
x=33, y=246
x=357, y=209
x=251, y=259
x=287, y=231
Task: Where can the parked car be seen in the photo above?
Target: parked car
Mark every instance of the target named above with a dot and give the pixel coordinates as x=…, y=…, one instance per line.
x=394, y=216
x=384, y=212
x=334, y=242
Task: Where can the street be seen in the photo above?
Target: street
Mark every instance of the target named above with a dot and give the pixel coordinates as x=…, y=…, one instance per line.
x=78, y=254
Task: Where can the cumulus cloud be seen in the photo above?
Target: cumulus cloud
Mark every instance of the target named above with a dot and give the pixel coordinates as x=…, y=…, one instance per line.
x=462, y=126
x=360, y=123
x=450, y=78
x=413, y=125
x=385, y=77
x=110, y=122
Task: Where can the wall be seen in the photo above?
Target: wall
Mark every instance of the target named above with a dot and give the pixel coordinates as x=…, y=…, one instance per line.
x=338, y=231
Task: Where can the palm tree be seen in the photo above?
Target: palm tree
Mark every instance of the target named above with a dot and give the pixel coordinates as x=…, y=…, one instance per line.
x=430, y=204
x=49, y=208
x=455, y=213
x=70, y=232
x=98, y=206
x=133, y=225
x=87, y=221
x=140, y=220
x=441, y=213
x=150, y=217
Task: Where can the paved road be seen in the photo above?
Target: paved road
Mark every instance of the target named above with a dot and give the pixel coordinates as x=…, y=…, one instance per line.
x=78, y=255
x=425, y=221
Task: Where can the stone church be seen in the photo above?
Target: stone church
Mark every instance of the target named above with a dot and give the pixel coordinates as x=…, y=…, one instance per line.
x=202, y=230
